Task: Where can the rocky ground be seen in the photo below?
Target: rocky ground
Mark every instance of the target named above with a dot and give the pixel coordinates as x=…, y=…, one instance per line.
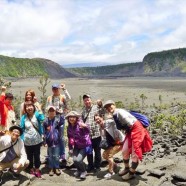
x=164, y=166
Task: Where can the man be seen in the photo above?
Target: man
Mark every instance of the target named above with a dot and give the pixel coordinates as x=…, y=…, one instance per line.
x=12, y=152
x=88, y=113
x=7, y=114
x=60, y=102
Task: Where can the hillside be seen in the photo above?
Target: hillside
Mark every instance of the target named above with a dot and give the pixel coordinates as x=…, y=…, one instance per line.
x=164, y=63
x=24, y=67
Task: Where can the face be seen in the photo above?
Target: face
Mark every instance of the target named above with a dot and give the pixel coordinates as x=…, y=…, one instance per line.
x=51, y=113
x=110, y=108
x=98, y=119
x=72, y=120
x=30, y=109
x=8, y=101
x=87, y=102
x=14, y=134
x=28, y=96
x=56, y=91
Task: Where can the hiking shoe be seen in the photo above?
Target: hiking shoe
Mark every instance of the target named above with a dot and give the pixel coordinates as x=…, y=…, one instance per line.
x=109, y=175
x=32, y=172
x=77, y=173
x=58, y=172
x=90, y=169
x=38, y=174
x=51, y=173
x=83, y=175
x=128, y=176
x=124, y=171
x=14, y=174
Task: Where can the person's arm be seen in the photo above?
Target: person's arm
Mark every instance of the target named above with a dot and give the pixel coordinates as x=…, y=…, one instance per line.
x=66, y=93
x=22, y=154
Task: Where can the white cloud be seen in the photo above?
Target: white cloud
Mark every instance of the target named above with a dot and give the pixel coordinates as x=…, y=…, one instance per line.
x=85, y=31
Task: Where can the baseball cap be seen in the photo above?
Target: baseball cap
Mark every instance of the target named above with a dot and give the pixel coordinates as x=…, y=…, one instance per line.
x=86, y=96
x=51, y=107
x=55, y=86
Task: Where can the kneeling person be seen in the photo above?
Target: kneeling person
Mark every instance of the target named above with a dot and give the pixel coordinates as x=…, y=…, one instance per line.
x=12, y=152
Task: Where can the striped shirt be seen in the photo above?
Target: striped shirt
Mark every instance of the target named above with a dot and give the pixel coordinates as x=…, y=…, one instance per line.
x=94, y=127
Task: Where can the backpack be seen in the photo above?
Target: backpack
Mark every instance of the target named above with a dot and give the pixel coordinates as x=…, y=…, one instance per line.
x=140, y=117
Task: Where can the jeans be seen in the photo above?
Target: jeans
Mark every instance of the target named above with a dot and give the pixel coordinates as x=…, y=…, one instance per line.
x=78, y=157
x=97, y=150
x=62, y=143
x=53, y=157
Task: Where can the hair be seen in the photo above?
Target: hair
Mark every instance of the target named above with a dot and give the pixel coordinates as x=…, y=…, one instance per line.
x=32, y=94
x=9, y=95
x=97, y=114
x=26, y=103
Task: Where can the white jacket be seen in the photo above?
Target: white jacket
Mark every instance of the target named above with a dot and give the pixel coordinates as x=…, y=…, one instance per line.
x=110, y=127
x=5, y=142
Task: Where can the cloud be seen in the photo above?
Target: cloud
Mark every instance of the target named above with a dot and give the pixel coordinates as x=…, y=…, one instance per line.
x=71, y=31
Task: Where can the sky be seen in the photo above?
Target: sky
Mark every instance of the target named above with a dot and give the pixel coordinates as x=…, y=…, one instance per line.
x=91, y=31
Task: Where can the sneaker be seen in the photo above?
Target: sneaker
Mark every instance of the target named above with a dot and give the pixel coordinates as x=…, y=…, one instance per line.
x=58, y=172
x=83, y=175
x=77, y=173
x=128, y=176
x=32, y=172
x=109, y=175
x=14, y=174
x=38, y=174
x=51, y=173
x=1, y=175
x=124, y=171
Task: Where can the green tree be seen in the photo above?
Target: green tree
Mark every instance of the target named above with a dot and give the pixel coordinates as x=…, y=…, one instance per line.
x=43, y=81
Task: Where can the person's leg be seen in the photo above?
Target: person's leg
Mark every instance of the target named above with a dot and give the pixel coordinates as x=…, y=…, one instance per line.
x=37, y=161
x=90, y=160
x=126, y=156
x=97, y=151
x=62, y=144
x=30, y=152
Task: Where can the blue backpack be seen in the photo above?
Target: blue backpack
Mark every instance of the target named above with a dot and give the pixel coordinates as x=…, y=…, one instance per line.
x=140, y=117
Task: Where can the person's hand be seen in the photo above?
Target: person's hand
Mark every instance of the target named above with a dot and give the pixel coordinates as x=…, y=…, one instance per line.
x=82, y=125
x=70, y=152
x=62, y=86
x=3, y=88
x=2, y=133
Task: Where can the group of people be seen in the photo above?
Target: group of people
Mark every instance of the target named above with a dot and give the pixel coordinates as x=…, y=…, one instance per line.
x=20, y=144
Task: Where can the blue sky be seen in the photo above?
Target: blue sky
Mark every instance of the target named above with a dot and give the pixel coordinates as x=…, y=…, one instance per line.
x=81, y=31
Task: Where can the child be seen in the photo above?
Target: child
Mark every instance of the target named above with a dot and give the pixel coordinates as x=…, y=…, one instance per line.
x=79, y=142
x=52, y=130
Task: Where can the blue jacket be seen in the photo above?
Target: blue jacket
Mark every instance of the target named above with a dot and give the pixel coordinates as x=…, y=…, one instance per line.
x=52, y=130
x=40, y=117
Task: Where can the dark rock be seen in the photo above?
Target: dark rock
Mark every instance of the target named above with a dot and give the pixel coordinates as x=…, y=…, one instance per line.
x=156, y=173
x=180, y=176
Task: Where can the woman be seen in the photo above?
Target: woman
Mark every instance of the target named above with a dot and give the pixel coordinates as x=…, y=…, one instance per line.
x=114, y=139
x=78, y=141
x=137, y=140
x=30, y=96
x=32, y=136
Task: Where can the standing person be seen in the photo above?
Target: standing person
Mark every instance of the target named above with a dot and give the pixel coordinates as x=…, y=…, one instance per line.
x=78, y=141
x=12, y=152
x=30, y=96
x=52, y=134
x=60, y=102
x=137, y=140
x=32, y=136
x=7, y=114
x=114, y=139
x=88, y=113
